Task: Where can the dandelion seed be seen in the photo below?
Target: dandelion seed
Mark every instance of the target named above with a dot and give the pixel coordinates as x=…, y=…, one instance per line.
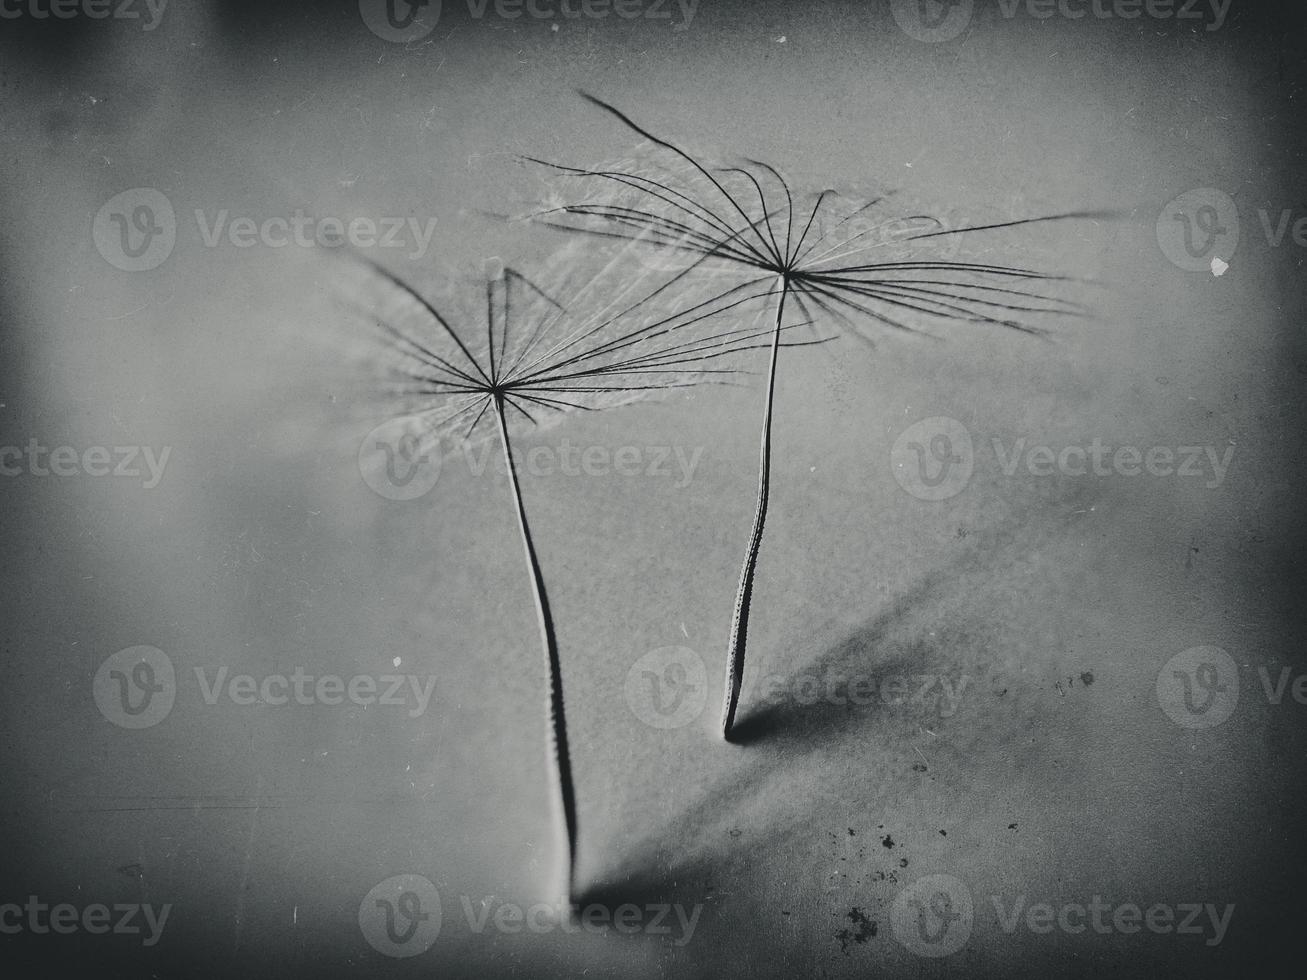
x=818, y=254
x=522, y=359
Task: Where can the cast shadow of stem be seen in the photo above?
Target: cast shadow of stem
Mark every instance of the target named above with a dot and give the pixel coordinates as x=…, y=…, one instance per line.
x=795, y=723
x=690, y=857
x=913, y=633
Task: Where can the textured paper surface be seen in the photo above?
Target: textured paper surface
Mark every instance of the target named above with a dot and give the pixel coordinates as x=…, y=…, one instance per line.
x=1058, y=598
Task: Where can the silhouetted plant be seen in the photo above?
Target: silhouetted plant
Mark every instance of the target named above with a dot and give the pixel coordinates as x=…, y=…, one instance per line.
x=532, y=360
x=817, y=251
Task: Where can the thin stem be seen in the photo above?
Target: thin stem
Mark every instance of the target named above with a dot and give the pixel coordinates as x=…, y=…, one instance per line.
x=556, y=722
x=740, y=622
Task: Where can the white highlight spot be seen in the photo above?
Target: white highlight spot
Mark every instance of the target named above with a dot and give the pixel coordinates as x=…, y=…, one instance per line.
x=1219, y=267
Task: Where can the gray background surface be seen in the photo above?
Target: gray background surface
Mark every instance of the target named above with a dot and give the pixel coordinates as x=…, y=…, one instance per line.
x=1059, y=599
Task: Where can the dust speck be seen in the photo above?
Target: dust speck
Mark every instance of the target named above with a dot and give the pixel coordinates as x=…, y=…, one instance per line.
x=860, y=929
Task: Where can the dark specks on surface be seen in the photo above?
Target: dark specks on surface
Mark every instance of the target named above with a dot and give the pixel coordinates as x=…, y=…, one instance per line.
x=848, y=868
x=1011, y=826
x=859, y=930
x=133, y=870
x=1086, y=678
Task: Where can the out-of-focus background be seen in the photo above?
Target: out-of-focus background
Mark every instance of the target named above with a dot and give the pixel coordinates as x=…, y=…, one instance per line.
x=1080, y=738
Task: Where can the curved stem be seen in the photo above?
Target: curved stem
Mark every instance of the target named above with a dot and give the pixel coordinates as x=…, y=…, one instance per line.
x=565, y=800
x=740, y=622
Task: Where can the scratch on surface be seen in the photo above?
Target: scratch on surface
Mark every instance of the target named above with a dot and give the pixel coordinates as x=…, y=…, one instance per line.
x=245, y=868
x=124, y=316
